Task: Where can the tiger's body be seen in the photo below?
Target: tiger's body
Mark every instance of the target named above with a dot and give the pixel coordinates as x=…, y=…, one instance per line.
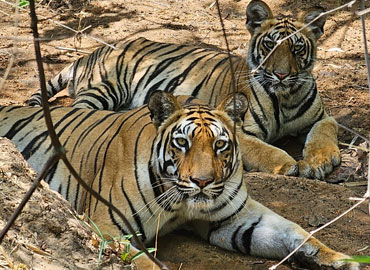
x=282, y=93
x=184, y=165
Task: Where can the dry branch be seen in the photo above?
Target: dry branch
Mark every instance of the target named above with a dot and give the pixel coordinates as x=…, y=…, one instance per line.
x=59, y=152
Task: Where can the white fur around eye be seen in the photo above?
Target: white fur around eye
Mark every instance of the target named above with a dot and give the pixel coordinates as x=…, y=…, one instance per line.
x=181, y=142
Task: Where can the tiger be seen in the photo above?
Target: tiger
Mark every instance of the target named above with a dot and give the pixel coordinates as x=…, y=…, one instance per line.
x=282, y=93
x=179, y=161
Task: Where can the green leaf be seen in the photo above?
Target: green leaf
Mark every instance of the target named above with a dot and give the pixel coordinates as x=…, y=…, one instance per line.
x=24, y=3
x=359, y=259
x=141, y=253
x=124, y=256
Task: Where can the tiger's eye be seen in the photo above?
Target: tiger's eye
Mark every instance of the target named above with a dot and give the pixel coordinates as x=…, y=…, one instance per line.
x=181, y=141
x=220, y=144
x=269, y=44
x=298, y=47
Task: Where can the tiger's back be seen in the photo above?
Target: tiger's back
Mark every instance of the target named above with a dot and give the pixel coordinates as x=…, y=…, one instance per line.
x=76, y=129
x=124, y=78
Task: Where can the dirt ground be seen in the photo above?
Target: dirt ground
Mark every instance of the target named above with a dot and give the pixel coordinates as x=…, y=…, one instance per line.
x=59, y=241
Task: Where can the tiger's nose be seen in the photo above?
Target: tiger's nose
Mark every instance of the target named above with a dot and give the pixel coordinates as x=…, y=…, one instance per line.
x=281, y=75
x=201, y=182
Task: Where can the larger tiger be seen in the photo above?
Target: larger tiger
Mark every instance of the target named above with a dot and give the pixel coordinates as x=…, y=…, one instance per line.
x=181, y=162
x=282, y=94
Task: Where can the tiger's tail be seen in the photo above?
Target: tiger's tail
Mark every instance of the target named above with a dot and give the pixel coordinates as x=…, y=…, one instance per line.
x=53, y=86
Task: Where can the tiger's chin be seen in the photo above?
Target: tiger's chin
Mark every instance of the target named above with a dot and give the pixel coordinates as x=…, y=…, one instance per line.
x=200, y=201
x=280, y=87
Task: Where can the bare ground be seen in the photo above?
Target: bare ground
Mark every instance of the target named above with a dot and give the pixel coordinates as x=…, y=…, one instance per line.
x=48, y=236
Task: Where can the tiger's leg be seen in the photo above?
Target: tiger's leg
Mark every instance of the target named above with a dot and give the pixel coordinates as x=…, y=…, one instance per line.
x=260, y=232
x=53, y=86
x=102, y=96
x=265, y=157
x=321, y=151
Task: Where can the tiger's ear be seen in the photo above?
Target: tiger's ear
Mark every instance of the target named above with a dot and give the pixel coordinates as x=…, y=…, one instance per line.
x=317, y=27
x=161, y=106
x=257, y=12
x=237, y=112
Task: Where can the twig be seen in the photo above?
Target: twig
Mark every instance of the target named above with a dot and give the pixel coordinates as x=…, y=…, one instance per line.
x=365, y=45
x=319, y=229
x=354, y=132
x=3, y=12
x=355, y=184
x=156, y=237
x=231, y=66
x=8, y=261
x=363, y=12
x=12, y=58
x=71, y=49
x=60, y=150
x=354, y=146
x=278, y=42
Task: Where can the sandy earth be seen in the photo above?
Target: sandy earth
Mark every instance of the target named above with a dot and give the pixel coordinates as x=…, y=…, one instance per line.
x=49, y=235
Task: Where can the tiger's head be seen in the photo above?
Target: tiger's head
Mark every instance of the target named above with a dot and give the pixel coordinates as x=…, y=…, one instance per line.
x=195, y=155
x=292, y=61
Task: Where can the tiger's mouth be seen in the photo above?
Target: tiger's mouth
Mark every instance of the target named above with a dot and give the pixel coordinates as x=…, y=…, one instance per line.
x=201, y=196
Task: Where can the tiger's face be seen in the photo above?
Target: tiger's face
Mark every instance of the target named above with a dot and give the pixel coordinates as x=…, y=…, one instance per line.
x=292, y=61
x=195, y=153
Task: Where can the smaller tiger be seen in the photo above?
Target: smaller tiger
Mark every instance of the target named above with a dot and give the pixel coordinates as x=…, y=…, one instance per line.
x=180, y=162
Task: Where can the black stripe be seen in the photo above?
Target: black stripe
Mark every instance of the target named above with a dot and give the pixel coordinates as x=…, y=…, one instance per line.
x=133, y=211
x=136, y=166
x=234, y=213
x=88, y=104
x=306, y=105
x=275, y=104
x=113, y=219
x=120, y=63
x=234, y=239
x=20, y=124
x=157, y=69
x=247, y=236
x=114, y=135
x=226, y=203
x=165, y=64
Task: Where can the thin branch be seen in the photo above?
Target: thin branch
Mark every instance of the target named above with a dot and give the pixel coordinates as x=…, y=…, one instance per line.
x=351, y=146
x=71, y=49
x=12, y=58
x=49, y=123
x=354, y=132
x=231, y=66
x=365, y=45
x=366, y=52
x=60, y=150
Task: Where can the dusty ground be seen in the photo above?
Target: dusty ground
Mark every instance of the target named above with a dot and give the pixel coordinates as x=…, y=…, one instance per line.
x=341, y=78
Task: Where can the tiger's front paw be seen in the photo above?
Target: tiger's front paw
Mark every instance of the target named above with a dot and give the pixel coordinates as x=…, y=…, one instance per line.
x=287, y=167
x=337, y=262
x=325, y=259
x=319, y=160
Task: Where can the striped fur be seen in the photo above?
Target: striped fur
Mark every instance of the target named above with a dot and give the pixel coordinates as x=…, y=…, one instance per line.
x=184, y=165
x=282, y=94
